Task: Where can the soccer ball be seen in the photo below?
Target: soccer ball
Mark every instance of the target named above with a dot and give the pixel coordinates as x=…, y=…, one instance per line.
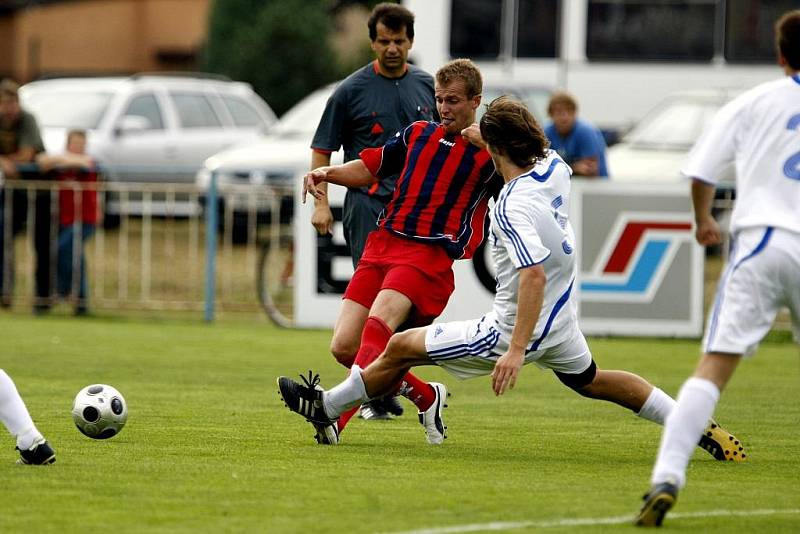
x=99, y=411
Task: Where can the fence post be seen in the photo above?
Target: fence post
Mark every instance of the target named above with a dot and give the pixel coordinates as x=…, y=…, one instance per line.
x=211, y=247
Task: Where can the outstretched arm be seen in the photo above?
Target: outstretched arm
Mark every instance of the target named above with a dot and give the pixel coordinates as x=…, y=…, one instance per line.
x=532, y=281
x=351, y=174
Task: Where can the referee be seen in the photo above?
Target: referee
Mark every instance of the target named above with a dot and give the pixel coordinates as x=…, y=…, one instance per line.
x=366, y=109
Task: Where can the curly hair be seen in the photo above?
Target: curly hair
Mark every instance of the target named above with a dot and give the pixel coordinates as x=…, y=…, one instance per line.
x=511, y=130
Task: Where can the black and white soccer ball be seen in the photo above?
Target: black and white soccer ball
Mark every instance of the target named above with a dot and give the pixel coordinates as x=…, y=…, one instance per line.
x=99, y=411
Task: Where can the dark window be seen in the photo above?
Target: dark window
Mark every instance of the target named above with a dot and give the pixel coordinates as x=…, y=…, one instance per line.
x=195, y=111
x=750, y=29
x=654, y=30
x=475, y=28
x=243, y=114
x=146, y=106
x=537, y=28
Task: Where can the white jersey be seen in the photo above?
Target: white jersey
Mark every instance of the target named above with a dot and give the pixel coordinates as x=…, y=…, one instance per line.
x=760, y=132
x=530, y=226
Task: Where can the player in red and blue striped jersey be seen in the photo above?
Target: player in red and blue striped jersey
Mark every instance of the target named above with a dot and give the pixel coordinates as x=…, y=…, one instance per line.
x=442, y=193
x=438, y=213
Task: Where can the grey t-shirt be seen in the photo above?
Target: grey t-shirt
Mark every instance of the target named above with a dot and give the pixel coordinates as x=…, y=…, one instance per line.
x=24, y=132
x=367, y=109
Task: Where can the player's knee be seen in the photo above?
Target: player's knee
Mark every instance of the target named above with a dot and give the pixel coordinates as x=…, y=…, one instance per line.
x=344, y=351
x=399, y=346
x=583, y=383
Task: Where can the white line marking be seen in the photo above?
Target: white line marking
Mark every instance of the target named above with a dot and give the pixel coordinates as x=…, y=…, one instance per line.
x=591, y=521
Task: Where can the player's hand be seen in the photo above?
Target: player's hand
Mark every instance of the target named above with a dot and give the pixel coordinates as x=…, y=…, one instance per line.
x=322, y=219
x=310, y=181
x=472, y=133
x=585, y=167
x=504, y=375
x=708, y=232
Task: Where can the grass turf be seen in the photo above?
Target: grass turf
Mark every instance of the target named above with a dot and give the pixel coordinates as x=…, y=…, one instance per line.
x=209, y=447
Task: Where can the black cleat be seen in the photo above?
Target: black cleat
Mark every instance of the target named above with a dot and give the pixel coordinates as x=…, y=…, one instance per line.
x=392, y=405
x=375, y=410
x=721, y=444
x=658, y=501
x=41, y=454
x=304, y=399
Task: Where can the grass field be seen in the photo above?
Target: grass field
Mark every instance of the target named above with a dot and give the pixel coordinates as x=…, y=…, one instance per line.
x=209, y=447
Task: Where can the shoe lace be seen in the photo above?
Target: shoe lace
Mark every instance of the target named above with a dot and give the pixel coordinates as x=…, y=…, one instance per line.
x=312, y=380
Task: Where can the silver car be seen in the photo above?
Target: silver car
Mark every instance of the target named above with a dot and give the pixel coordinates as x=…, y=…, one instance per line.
x=148, y=128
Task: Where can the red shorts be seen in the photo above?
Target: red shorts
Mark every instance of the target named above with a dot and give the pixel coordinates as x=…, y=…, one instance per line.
x=420, y=271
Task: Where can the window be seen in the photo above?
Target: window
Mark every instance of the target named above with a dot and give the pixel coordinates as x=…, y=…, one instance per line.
x=195, y=111
x=647, y=30
x=676, y=125
x=67, y=109
x=476, y=28
x=243, y=114
x=537, y=28
x=146, y=106
x=749, y=29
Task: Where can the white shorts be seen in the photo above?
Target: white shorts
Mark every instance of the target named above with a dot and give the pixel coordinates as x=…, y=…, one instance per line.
x=762, y=276
x=467, y=349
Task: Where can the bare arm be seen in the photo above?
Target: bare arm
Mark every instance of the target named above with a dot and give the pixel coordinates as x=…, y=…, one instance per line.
x=351, y=174
x=48, y=162
x=472, y=133
x=8, y=163
x=707, y=230
x=322, y=218
x=532, y=281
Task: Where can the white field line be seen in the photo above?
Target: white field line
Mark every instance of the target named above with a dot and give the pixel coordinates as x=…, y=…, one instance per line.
x=591, y=521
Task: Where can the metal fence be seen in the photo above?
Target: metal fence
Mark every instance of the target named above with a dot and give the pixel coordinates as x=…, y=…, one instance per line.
x=214, y=258
x=234, y=253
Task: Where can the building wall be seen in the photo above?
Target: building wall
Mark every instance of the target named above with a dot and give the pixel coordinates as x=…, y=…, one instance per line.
x=104, y=36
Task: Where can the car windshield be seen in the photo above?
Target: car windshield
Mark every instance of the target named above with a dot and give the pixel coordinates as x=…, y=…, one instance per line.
x=303, y=118
x=674, y=126
x=67, y=109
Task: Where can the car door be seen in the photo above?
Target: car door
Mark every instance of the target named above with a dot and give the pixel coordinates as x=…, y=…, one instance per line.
x=202, y=131
x=143, y=148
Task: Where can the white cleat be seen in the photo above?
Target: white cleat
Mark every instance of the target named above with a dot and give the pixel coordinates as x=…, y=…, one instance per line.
x=431, y=419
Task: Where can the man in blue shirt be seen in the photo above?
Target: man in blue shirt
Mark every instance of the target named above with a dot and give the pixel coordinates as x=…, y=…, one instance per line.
x=579, y=144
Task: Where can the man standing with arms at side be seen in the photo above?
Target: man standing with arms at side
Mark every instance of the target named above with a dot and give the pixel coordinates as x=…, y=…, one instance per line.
x=20, y=142
x=365, y=111
x=760, y=132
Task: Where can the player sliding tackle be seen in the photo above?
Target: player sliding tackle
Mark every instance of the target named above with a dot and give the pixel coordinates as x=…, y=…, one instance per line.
x=438, y=213
x=534, y=317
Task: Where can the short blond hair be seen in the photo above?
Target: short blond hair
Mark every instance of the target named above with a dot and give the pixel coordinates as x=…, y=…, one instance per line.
x=464, y=70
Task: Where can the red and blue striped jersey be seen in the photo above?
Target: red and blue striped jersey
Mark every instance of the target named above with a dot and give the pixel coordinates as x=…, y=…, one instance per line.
x=442, y=194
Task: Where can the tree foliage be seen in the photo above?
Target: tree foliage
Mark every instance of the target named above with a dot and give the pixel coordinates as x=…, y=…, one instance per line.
x=279, y=46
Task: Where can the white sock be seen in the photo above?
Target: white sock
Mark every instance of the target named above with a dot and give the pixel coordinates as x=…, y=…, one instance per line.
x=684, y=426
x=657, y=407
x=345, y=395
x=15, y=415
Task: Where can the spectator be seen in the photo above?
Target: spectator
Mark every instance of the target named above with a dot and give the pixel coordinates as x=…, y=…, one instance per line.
x=580, y=144
x=77, y=214
x=20, y=142
x=366, y=110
